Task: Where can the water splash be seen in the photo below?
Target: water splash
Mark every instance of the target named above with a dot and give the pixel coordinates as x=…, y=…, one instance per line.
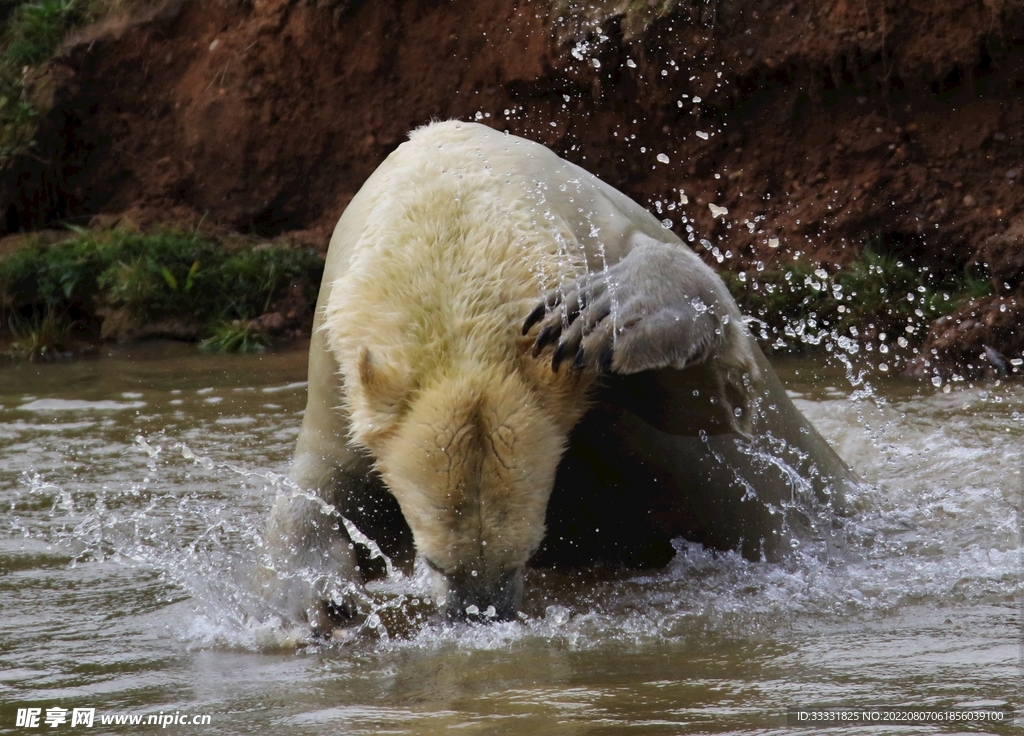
x=935, y=526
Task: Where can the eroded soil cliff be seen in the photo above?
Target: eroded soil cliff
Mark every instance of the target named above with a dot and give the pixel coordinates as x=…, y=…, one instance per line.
x=821, y=126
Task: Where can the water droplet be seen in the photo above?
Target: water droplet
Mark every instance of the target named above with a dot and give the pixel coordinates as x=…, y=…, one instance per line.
x=472, y=610
x=663, y=158
x=596, y=63
x=773, y=242
x=936, y=381
x=702, y=135
x=631, y=64
x=717, y=211
x=558, y=615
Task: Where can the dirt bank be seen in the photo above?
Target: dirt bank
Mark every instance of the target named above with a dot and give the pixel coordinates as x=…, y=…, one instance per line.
x=819, y=126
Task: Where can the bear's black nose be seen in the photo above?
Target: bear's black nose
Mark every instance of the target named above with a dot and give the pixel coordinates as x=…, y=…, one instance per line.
x=483, y=598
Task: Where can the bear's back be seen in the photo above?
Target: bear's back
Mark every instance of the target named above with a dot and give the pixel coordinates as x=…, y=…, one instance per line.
x=601, y=218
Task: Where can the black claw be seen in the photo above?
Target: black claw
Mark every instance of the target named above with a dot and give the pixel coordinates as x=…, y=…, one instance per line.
x=581, y=355
x=606, y=359
x=546, y=335
x=341, y=613
x=559, y=355
x=599, y=317
x=535, y=316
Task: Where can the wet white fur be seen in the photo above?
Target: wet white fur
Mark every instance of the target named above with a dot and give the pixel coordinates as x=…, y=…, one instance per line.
x=418, y=361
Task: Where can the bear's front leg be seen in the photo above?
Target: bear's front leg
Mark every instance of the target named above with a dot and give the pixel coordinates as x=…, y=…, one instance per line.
x=660, y=306
x=312, y=572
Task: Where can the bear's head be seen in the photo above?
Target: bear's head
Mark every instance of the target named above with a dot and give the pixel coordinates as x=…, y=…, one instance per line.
x=470, y=453
x=465, y=426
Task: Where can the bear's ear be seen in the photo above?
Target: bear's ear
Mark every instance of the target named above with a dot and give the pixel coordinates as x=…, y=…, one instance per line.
x=379, y=381
x=376, y=398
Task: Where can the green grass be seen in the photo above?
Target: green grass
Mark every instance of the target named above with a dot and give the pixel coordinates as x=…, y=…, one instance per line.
x=37, y=28
x=40, y=336
x=175, y=274
x=237, y=336
x=798, y=303
x=168, y=274
x=32, y=32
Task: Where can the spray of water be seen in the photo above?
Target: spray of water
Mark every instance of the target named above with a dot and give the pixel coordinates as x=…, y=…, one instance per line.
x=935, y=525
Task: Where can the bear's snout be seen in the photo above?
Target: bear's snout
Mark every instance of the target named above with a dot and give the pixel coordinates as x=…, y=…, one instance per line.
x=480, y=599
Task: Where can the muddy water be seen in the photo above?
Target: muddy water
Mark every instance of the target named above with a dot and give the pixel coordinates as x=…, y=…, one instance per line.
x=134, y=487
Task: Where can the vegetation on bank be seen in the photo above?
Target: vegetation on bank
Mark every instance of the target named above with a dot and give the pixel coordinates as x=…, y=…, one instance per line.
x=797, y=304
x=32, y=31
x=50, y=294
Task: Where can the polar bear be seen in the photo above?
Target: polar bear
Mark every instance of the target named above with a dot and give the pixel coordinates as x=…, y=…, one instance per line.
x=513, y=361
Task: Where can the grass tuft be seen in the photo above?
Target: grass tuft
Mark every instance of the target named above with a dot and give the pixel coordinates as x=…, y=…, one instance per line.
x=37, y=28
x=32, y=32
x=41, y=336
x=798, y=304
x=237, y=336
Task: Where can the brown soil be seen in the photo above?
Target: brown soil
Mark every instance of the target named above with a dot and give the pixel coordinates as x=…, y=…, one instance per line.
x=837, y=122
